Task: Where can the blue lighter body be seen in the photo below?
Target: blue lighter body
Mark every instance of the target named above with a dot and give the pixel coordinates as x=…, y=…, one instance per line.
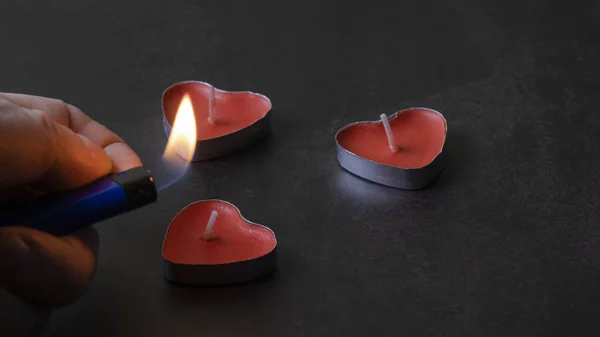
x=65, y=213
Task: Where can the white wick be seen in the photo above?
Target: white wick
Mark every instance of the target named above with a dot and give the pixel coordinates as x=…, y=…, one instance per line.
x=209, y=226
x=388, y=132
x=212, y=106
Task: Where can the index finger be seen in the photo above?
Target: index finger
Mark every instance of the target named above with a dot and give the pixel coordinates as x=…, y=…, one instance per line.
x=122, y=156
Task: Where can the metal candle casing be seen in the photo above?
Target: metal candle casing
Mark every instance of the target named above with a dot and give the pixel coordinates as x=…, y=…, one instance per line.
x=389, y=175
x=183, y=248
x=230, y=142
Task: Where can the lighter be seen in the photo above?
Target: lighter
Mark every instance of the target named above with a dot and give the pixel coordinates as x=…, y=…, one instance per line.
x=66, y=212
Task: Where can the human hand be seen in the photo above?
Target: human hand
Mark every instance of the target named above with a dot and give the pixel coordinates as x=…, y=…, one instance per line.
x=46, y=146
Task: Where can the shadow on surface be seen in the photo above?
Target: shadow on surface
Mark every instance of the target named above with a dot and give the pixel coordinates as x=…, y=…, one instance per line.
x=459, y=149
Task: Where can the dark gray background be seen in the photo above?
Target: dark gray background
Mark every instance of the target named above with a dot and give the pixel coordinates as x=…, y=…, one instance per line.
x=505, y=243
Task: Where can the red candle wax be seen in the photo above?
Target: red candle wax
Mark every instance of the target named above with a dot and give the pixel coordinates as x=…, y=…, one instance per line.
x=419, y=135
x=233, y=238
x=234, y=110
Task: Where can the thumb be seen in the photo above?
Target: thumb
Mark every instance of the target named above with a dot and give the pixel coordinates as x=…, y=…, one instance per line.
x=45, y=270
x=34, y=148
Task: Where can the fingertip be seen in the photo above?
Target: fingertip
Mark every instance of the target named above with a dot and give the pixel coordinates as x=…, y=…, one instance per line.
x=97, y=154
x=88, y=236
x=46, y=270
x=123, y=157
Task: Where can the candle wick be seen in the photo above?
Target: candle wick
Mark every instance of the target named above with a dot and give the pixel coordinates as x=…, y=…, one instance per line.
x=388, y=132
x=212, y=106
x=209, y=226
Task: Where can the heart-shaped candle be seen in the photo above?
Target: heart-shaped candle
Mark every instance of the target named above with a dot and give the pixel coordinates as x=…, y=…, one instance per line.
x=226, y=121
x=210, y=243
x=402, y=151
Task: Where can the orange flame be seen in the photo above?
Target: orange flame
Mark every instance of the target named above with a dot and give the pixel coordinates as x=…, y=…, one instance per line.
x=182, y=140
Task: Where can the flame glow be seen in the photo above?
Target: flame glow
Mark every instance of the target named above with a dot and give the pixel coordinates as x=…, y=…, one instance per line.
x=182, y=140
